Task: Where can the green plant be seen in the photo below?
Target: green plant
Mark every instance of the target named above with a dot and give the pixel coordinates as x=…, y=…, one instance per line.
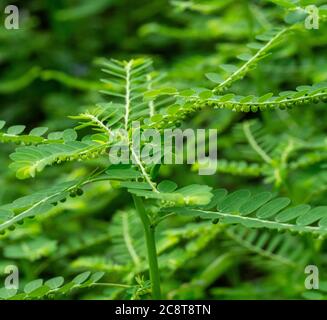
x=143, y=238
x=133, y=80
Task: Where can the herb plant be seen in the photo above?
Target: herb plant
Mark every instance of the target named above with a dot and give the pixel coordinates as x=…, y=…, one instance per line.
x=271, y=158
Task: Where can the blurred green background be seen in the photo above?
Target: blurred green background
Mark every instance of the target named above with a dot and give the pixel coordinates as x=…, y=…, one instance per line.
x=49, y=69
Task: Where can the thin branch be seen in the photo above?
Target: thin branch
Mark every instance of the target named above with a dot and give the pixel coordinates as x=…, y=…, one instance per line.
x=127, y=92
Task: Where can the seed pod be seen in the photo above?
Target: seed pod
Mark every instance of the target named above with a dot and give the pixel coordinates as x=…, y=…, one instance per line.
x=72, y=194
x=79, y=192
x=254, y=108
x=245, y=108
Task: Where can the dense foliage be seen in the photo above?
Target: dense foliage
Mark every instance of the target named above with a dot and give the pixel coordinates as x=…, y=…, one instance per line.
x=94, y=230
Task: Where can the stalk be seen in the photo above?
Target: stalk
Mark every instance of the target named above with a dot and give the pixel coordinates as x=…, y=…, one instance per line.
x=149, y=231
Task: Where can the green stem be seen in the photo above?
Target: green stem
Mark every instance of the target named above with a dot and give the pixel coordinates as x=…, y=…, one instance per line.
x=118, y=285
x=149, y=231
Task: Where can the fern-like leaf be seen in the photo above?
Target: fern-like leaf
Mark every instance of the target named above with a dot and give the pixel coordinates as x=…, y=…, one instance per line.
x=132, y=78
x=40, y=289
x=33, y=159
x=270, y=38
x=282, y=248
x=261, y=210
x=36, y=204
x=15, y=134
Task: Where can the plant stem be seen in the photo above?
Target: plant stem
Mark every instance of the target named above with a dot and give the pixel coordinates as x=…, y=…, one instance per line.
x=149, y=231
x=118, y=285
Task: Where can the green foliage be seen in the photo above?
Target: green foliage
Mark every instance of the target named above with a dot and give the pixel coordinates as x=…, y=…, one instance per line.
x=34, y=204
x=14, y=134
x=261, y=210
x=177, y=64
x=39, y=289
x=30, y=160
x=269, y=39
x=281, y=248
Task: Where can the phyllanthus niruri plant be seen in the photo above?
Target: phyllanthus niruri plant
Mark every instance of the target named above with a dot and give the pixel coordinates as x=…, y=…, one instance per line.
x=154, y=147
x=137, y=95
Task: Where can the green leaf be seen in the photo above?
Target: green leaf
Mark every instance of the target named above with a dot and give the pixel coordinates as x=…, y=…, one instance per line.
x=218, y=196
x=292, y=213
x=55, y=135
x=135, y=185
x=30, y=160
x=227, y=97
x=272, y=207
x=265, y=97
x=32, y=250
x=229, y=68
x=40, y=131
x=15, y=130
x=312, y=216
x=295, y=16
x=244, y=56
x=255, y=202
x=214, y=77
x=34, y=204
x=54, y=283
x=2, y=124
x=158, y=92
x=196, y=194
x=286, y=99
x=39, y=292
x=187, y=93
x=191, y=195
x=122, y=172
x=95, y=277
x=79, y=279
x=205, y=94
x=69, y=135
x=33, y=285
x=167, y=186
x=7, y=293
x=54, y=286
x=255, y=45
x=246, y=99
x=264, y=213
x=234, y=200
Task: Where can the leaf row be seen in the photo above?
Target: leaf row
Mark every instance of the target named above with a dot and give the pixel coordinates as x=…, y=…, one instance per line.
x=15, y=134
x=30, y=160
x=38, y=289
x=261, y=210
x=15, y=213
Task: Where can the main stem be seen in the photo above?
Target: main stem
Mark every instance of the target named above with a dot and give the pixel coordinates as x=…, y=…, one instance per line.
x=149, y=231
